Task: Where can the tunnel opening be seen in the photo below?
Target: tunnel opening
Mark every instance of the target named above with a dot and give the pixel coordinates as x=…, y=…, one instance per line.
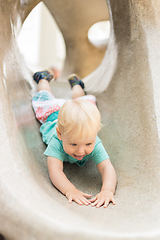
x=40, y=41
x=99, y=33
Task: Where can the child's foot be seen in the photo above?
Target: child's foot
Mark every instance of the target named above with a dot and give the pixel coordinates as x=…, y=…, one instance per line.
x=74, y=80
x=42, y=75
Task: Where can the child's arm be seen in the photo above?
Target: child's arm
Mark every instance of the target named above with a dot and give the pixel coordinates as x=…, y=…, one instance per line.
x=109, y=181
x=60, y=181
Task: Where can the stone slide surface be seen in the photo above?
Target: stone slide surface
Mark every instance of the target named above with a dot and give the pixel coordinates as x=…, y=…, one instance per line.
x=30, y=206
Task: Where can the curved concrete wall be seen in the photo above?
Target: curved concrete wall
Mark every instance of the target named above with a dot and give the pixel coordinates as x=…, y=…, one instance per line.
x=31, y=208
x=74, y=19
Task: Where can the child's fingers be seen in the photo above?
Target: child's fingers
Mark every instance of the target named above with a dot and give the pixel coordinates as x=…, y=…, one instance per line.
x=87, y=195
x=93, y=199
x=95, y=203
x=70, y=199
x=100, y=203
x=113, y=201
x=77, y=200
x=80, y=200
x=106, y=203
x=85, y=201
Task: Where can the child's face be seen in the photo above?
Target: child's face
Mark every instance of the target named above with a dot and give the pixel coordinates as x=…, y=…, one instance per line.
x=77, y=148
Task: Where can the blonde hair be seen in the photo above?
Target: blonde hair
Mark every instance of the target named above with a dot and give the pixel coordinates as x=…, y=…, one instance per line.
x=79, y=118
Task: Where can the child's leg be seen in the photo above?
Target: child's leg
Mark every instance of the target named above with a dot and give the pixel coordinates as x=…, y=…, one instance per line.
x=77, y=91
x=43, y=102
x=42, y=79
x=43, y=85
x=77, y=86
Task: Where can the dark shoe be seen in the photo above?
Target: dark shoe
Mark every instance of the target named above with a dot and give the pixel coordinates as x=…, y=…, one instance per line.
x=74, y=80
x=42, y=75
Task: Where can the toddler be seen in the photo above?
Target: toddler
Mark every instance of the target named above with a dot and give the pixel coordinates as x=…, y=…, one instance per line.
x=69, y=129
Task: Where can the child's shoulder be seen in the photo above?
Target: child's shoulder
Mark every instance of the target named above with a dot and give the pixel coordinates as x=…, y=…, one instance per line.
x=98, y=140
x=99, y=153
x=48, y=131
x=98, y=146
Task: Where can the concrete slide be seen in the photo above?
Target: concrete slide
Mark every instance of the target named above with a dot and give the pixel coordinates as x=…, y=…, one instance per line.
x=30, y=206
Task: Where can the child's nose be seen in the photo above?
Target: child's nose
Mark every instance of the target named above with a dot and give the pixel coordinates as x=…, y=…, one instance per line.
x=80, y=150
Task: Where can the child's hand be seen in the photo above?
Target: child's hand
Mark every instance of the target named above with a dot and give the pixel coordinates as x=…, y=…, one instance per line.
x=103, y=198
x=78, y=196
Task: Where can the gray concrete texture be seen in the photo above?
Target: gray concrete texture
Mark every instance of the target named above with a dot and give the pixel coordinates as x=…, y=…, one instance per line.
x=30, y=206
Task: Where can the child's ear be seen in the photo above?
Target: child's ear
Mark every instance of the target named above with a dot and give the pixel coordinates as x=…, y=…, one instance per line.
x=59, y=133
